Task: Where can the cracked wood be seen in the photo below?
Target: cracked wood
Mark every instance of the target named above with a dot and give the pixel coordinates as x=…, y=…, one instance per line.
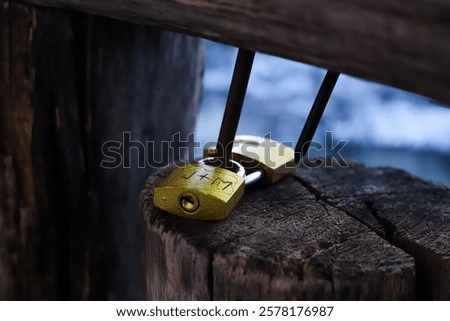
x=411, y=214
x=324, y=233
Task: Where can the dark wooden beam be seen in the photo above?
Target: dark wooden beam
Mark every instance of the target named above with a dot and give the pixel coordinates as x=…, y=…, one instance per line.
x=400, y=43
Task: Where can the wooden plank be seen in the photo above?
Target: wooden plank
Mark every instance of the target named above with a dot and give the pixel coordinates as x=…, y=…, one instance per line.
x=69, y=229
x=7, y=181
x=280, y=243
x=400, y=43
x=29, y=193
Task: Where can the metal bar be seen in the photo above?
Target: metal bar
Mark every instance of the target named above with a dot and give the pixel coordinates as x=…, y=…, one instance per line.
x=234, y=104
x=312, y=122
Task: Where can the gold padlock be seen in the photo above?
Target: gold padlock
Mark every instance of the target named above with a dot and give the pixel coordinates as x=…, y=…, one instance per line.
x=260, y=153
x=200, y=191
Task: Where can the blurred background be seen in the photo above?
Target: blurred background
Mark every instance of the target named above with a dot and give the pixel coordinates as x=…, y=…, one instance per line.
x=384, y=126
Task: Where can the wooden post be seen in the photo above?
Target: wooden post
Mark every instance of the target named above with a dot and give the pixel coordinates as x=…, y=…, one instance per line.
x=334, y=233
x=69, y=228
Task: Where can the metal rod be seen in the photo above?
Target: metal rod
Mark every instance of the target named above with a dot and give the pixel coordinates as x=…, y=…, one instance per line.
x=236, y=95
x=312, y=122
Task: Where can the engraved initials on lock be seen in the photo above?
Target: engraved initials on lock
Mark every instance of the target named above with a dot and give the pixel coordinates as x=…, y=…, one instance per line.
x=200, y=191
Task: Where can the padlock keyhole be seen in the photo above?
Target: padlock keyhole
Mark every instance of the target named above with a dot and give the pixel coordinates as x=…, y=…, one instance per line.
x=189, y=202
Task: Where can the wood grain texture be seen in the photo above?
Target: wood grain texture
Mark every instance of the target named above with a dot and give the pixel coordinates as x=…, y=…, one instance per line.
x=414, y=215
x=69, y=229
x=400, y=43
x=147, y=83
x=325, y=233
x=30, y=195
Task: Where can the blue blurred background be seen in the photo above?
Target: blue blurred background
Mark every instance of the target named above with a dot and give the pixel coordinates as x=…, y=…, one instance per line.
x=384, y=126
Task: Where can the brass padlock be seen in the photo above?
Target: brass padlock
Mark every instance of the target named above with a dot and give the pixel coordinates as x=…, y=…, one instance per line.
x=201, y=191
x=260, y=153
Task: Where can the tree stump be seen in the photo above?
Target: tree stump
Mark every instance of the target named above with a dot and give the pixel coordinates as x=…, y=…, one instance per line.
x=332, y=233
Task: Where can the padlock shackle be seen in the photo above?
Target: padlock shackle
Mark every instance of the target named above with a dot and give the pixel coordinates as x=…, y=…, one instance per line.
x=255, y=177
x=317, y=109
x=235, y=167
x=236, y=95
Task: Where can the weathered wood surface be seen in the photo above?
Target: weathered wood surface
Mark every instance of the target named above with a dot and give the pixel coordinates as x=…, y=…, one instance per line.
x=68, y=83
x=400, y=43
x=411, y=214
x=325, y=233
